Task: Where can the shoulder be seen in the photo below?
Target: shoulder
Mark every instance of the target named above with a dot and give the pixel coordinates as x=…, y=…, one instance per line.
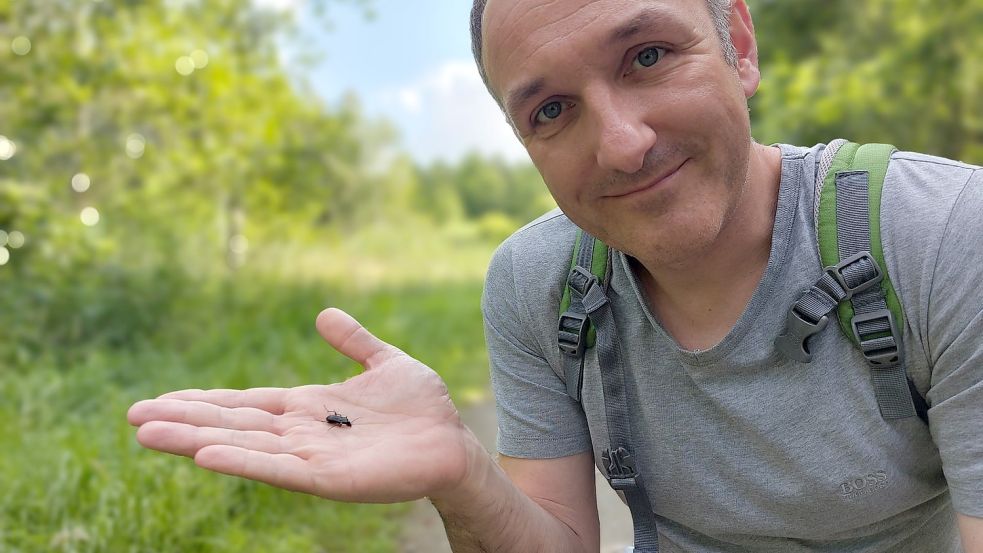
x=537, y=254
x=528, y=272
x=927, y=178
x=920, y=197
x=928, y=183
x=927, y=160
x=931, y=229
x=541, y=235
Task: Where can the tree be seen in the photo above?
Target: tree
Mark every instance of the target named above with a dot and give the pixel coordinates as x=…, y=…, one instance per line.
x=171, y=122
x=899, y=71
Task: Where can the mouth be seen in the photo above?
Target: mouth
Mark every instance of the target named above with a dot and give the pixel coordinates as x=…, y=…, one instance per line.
x=654, y=183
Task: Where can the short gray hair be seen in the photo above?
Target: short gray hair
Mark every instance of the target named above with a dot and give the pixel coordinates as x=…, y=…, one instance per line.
x=719, y=12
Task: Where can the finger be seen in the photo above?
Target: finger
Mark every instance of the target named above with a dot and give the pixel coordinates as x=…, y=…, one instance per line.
x=185, y=439
x=267, y=399
x=277, y=469
x=346, y=335
x=199, y=413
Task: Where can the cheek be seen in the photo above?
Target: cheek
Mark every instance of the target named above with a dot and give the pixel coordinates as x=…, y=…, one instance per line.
x=564, y=172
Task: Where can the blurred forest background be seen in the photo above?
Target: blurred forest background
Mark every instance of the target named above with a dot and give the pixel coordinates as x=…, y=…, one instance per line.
x=176, y=206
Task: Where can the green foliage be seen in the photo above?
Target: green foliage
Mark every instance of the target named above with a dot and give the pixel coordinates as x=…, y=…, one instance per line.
x=180, y=116
x=478, y=188
x=904, y=72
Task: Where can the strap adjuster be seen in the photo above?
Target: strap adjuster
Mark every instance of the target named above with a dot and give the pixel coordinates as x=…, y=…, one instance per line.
x=620, y=468
x=837, y=272
x=572, y=333
x=881, y=352
x=581, y=280
x=792, y=341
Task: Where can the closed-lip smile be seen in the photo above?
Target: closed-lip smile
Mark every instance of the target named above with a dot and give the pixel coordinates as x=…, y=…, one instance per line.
x=650, y=184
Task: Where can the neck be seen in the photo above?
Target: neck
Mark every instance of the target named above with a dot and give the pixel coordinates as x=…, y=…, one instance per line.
x=708, y=290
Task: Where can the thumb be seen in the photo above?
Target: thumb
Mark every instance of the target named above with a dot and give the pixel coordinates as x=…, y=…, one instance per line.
x=346, y=335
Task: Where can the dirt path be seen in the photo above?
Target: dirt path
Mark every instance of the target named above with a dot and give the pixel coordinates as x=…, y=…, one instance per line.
x=424, y=532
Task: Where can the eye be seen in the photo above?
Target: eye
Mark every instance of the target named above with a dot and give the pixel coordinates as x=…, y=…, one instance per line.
x=548, y=113
x=648, y=57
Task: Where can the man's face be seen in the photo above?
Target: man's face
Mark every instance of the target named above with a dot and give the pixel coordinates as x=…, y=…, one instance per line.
x=630, y=112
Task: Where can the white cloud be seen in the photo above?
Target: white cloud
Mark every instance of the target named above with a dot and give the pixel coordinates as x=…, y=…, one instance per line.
x=410, y=99
x=447, y=113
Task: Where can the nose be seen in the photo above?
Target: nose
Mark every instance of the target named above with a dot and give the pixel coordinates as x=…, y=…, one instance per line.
x=623, y=137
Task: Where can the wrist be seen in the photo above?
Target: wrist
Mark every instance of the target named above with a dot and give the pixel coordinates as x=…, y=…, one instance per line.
x=468, y=491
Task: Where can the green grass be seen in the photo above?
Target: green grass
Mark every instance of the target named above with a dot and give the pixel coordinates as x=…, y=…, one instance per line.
x=73, y=478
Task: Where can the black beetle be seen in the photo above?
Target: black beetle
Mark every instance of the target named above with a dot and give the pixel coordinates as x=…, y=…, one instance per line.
x=336, y=419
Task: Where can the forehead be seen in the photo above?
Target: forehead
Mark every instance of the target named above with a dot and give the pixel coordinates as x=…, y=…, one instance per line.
x=519, y=35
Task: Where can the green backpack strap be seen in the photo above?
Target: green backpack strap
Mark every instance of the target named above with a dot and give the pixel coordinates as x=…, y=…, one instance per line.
x=852, y=157
x=575, y=334
x=855, y=279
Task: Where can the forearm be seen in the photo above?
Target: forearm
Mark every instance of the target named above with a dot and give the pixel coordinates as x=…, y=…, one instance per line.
x=490, y=514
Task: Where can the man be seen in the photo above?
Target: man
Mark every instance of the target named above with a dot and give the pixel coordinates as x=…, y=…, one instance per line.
x=636, y=115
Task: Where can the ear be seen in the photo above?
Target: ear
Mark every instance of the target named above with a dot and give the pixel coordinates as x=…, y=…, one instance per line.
x=742, y=36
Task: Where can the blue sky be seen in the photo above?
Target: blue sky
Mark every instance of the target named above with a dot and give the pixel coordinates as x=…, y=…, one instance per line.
x=412, y=65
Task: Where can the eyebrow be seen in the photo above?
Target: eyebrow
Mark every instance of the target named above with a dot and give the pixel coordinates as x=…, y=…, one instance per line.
x=646, y=18
x=522, y=94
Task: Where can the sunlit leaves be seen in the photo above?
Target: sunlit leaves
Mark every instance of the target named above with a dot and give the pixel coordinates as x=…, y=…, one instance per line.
x=905, y=72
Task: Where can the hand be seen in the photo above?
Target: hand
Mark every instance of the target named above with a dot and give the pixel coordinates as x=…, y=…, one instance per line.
x=406, y=440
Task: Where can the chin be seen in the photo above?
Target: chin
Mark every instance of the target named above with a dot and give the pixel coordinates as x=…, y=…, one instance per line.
x=674, y=243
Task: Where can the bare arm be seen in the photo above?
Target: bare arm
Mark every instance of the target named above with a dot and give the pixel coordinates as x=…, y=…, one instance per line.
x=971, y=532
x=542, y=505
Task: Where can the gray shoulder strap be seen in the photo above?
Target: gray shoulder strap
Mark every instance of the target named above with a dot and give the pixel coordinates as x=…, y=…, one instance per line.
x=619, y=457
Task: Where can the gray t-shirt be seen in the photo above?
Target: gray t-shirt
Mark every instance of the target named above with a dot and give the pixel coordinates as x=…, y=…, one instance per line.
x=740, y=448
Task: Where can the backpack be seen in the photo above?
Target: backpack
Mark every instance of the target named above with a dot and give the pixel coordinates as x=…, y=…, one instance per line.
x=854, y=281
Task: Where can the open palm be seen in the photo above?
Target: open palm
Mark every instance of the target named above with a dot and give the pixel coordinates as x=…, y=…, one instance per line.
x=405, y=441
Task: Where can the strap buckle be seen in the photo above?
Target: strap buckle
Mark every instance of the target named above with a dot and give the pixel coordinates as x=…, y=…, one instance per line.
x=581, y=280
x=837, y=272
x=792, y=341
x=881, y=352
x=572, y=333
x=620, y=468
